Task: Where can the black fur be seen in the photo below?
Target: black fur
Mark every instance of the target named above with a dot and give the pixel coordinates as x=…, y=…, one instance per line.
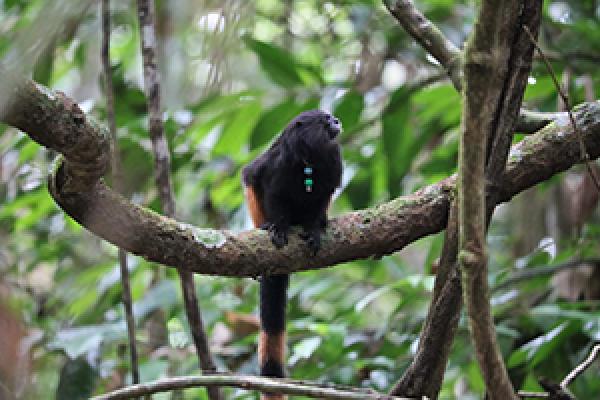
x=272, y=369
x=272, y=303
x=277, y=177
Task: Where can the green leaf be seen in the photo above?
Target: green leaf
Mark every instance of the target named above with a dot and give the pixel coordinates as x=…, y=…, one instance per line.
x=537, y=350
x=305, y=348
x=438, y=103
x=275, y=119
x=28, y=209
x=82, y=340
x=162, y=295
x=218, y=104
x=77, y=380
x=237, y=130
x=397, y=140
x=227, y=194
x=153, y=369
x=29, y=151
x=281, y=65
x=474, y=376
x=349, y=109
x=555, y=310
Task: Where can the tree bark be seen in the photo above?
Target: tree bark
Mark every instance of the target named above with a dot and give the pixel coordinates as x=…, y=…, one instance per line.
x=56, y=122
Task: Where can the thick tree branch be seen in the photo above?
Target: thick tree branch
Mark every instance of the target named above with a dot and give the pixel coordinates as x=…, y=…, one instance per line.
x=261, y=384
x=56, y=122
x=438, y=331
x=496, y=65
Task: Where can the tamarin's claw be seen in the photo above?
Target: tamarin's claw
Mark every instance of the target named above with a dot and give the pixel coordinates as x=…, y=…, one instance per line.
x=266, y=226
x=278, y=235
x=313, y=240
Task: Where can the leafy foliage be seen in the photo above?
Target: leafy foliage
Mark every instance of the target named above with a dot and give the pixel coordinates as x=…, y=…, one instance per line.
x=234, y=73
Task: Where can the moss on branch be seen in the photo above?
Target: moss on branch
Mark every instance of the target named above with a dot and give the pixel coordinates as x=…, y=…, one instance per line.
x=77, y=188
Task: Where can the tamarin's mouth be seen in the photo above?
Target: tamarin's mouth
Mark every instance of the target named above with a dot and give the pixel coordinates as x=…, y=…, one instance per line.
x=335, y=127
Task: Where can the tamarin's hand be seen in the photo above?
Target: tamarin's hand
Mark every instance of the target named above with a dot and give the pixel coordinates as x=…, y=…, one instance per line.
x=278, y=236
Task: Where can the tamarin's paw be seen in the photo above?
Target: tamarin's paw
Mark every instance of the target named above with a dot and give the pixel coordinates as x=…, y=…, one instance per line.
x=266, y=226
x=313, y=240
x=277, y=234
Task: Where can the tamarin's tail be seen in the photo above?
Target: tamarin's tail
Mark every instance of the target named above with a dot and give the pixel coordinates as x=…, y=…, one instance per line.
x=271, y=345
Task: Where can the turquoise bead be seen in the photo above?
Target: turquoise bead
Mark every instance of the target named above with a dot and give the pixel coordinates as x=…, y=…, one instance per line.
x=308, y=182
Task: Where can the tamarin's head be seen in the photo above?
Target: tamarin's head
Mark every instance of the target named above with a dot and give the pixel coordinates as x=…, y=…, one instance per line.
x=315, y=126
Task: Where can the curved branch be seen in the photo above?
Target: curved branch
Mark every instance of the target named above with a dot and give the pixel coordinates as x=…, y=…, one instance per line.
x=56, y=122
x=266, y=385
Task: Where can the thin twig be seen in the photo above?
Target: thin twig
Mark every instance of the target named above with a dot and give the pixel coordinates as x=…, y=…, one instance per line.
x=581, y=367
x=578, y=370
x=118, y=183
x=532, y=395
x=531, y=273
x=261, y=384
x=162, y=166
x=532, y=121
x=584, y=154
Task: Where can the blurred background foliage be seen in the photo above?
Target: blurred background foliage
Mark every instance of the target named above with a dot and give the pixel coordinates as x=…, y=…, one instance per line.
x=233, y=73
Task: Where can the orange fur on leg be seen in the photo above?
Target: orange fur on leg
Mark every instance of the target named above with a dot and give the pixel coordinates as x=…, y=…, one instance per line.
x=271, y=345
x=256, y=212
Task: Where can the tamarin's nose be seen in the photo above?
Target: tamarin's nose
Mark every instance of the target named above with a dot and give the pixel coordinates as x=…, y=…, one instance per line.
x=335, y=123
x=334, y=127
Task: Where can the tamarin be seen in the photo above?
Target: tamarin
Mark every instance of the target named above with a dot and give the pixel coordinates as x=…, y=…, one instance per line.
x=291, y=184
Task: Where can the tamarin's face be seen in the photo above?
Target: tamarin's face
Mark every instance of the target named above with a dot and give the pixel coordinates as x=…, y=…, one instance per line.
x=317, y=125
x=334, y=125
